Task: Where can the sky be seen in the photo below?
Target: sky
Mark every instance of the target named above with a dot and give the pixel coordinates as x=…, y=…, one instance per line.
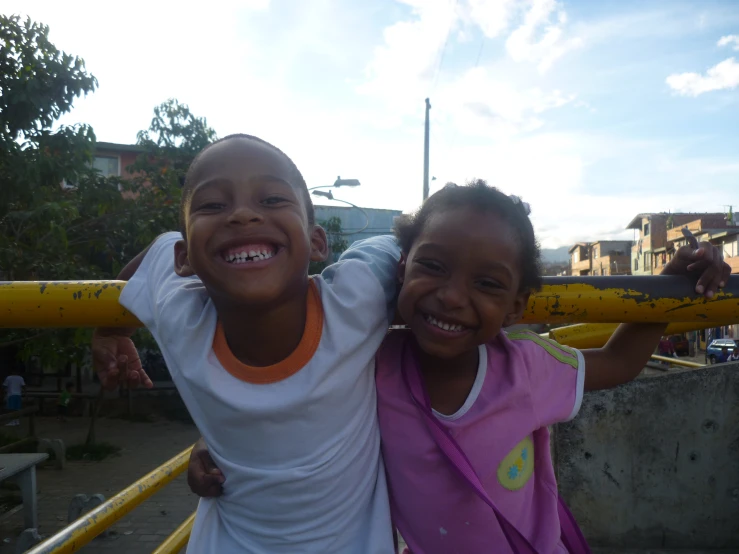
x=590, y=111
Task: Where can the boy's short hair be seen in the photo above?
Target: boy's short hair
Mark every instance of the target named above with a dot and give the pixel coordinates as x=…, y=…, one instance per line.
x=187, y=183
x=478, y=195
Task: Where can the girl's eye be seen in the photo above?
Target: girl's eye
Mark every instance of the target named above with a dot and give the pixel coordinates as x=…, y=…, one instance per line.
x=429, y=264
x=272, y=200
x=490, y=284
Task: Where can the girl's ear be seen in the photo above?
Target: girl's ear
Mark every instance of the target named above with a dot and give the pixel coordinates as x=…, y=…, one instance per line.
x=401, y=268
x=182, y=265
x=519, y=306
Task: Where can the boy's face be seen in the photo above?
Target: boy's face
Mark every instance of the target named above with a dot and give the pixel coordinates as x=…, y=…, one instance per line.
x=248, y=236
x=461, y=282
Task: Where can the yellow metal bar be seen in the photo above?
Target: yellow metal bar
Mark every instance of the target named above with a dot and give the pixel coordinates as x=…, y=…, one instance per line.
x=676, y=361
x=63, y=304
x=79, y=533
x=562, y=300
x=177, y=540
x=595, y=335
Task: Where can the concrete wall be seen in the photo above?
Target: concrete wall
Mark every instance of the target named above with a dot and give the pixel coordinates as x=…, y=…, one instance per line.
x=655, y=463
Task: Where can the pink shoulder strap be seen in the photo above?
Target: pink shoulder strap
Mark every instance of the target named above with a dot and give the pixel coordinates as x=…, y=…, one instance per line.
x=571, y=535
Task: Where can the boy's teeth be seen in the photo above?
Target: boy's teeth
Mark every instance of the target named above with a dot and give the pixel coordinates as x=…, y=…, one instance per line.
x=248, y=256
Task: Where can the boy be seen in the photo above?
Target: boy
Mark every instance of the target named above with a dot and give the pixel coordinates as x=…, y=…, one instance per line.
x=276, y=369
x=14, y=385
x=64, y=398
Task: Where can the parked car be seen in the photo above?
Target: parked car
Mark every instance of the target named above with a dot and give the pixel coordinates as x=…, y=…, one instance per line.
x=681, y=344
x=713, y=351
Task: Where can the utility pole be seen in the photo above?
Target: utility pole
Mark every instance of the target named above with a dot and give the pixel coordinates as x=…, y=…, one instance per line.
x=426, y=153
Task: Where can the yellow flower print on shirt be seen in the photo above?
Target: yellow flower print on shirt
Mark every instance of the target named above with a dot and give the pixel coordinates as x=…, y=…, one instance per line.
x=517, y=467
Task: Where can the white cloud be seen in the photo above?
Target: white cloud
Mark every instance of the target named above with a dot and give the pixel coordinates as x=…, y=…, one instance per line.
x=729, y=40
x=724, y=75
x=492, y=16
x=541, y=38
x=479, y=104
x=403, y=66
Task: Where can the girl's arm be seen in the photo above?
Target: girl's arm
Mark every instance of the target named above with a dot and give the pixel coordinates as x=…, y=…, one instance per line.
x=630, y=347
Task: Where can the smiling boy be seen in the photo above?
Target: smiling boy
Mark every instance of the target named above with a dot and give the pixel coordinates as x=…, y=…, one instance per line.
x=276, y=368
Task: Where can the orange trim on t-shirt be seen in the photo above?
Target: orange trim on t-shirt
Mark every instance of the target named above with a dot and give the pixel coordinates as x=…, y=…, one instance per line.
x=285, y=368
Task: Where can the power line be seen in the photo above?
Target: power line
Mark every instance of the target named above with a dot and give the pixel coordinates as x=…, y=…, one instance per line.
x=443, y=48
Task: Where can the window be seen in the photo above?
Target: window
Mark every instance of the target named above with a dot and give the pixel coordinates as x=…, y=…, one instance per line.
x=576, y=256
x=595, y=272
x=647, y=261
x=636, y=264
x=646, y=229
x=106, y=165
x=595, y=253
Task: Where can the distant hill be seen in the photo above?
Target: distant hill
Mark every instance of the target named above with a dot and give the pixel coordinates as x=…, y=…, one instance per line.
x=555, y=255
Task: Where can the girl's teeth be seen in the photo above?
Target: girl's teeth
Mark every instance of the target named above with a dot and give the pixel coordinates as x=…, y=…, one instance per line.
x=443, y=325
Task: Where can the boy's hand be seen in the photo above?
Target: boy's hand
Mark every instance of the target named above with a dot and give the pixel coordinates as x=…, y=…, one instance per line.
x=116, y=360
x=703, y=260
x=203, y=476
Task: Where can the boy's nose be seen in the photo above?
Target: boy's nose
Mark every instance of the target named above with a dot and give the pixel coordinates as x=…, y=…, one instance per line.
x=243, y=215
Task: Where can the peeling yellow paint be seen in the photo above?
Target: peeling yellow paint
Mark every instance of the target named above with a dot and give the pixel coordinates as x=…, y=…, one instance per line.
x=595, y=335
x=561, y=300
x=178, y=539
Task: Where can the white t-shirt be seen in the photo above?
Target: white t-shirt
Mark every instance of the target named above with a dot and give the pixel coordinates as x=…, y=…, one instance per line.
x=300, y=449
x=14, y=385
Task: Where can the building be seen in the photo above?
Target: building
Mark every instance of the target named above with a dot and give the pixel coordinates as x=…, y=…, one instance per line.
x=604, y=257
x=359, y=223
x=724, y=237
x=112, y=160
x=652, y=235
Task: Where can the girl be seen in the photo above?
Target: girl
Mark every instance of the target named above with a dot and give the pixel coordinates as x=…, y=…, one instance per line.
x=464, y=406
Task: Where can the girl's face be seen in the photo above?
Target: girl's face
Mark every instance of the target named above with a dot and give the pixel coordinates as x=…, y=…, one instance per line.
x=461, y=282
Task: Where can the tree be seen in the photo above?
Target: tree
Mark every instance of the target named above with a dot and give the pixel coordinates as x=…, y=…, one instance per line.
x=59, y=218
x=336, y=241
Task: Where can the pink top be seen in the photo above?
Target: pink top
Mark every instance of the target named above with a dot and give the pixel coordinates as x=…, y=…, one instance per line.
x=524, y=383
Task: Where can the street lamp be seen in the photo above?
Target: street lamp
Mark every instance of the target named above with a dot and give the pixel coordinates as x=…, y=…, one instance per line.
x=330, y=196
x=339, y=183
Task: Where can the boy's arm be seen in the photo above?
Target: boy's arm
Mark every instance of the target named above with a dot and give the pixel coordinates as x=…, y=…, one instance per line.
x=114, y=355
x=630, y=347
x=382, y=255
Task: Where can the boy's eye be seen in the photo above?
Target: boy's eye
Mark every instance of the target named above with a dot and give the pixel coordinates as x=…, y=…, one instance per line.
x=209, y=206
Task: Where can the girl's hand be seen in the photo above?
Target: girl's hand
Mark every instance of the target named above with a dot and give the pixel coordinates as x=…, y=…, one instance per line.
x=703, y=260
x=203, y=476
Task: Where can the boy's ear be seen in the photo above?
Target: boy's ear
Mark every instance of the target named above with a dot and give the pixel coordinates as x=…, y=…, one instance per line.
x=519, y=306
x=182, y=265
x=318, y=244
x=401, y=267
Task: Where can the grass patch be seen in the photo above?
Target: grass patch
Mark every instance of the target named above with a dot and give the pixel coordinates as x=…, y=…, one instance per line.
x=93, y=452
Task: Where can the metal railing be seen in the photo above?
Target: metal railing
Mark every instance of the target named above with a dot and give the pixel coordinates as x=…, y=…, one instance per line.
x=80, y=532
x=596, y=301
x=561, y=300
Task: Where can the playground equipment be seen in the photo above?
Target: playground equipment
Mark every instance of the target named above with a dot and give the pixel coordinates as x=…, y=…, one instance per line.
x=586, y=301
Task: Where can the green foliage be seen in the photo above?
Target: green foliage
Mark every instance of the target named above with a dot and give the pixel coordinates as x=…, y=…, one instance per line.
x=59, y=218
x=38, y=82
x=92, y=452
x=336, y=242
